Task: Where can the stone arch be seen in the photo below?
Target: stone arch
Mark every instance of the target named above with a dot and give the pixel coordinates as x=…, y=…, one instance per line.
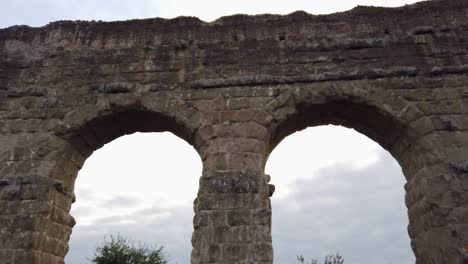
x=89, y=127
x=109, y=125
x=401, y=128
x=378, y=114
x=83, y=131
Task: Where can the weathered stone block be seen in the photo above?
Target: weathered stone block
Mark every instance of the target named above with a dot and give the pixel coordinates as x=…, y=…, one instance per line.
x=238, y=217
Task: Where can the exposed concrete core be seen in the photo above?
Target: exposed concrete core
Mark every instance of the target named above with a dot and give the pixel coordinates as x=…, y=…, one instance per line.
x=233, y=89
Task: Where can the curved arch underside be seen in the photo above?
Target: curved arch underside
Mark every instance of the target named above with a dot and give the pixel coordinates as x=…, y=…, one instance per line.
x=366, y=119
x=95, y=133
x=233, y=89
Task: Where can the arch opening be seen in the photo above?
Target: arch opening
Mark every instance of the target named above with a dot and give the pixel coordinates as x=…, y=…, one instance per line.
x=132, y=187
x=337, y=191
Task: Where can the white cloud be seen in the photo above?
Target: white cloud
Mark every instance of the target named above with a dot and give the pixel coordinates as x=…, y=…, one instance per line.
x=134, y=171
x=315, y=148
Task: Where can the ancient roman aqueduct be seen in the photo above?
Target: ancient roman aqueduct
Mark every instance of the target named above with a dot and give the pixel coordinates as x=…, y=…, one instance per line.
x=233, y=89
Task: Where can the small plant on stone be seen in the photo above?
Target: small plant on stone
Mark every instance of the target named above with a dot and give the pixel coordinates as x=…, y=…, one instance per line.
x=122, y=251
x=329, y=259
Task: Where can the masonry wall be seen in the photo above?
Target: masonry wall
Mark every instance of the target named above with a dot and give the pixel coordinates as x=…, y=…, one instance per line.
x=234, y=88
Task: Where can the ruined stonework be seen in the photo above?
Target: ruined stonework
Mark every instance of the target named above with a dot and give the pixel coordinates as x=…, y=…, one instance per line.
x=233, y=89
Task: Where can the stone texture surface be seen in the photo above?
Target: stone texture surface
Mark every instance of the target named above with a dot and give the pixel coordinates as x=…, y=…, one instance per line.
x=234, y=88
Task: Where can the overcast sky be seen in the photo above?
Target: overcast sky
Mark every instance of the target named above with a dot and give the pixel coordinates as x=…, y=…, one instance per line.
x=336, y=189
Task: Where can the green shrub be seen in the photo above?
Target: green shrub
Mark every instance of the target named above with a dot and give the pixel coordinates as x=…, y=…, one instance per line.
x=122, y=251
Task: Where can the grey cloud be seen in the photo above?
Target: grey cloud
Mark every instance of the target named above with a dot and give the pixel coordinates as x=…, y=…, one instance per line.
x=359, y=212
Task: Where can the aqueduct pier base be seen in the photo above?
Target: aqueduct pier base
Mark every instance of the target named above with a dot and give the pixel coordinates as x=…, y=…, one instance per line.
x=234, y=88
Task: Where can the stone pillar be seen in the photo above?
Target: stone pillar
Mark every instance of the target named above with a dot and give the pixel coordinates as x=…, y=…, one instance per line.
x=437, y=197
x=35, y=223
x=233, y=212
x=35, y=200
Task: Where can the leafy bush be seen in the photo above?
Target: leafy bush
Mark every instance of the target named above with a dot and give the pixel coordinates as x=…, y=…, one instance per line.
x=121, y=251
x=329, y=259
